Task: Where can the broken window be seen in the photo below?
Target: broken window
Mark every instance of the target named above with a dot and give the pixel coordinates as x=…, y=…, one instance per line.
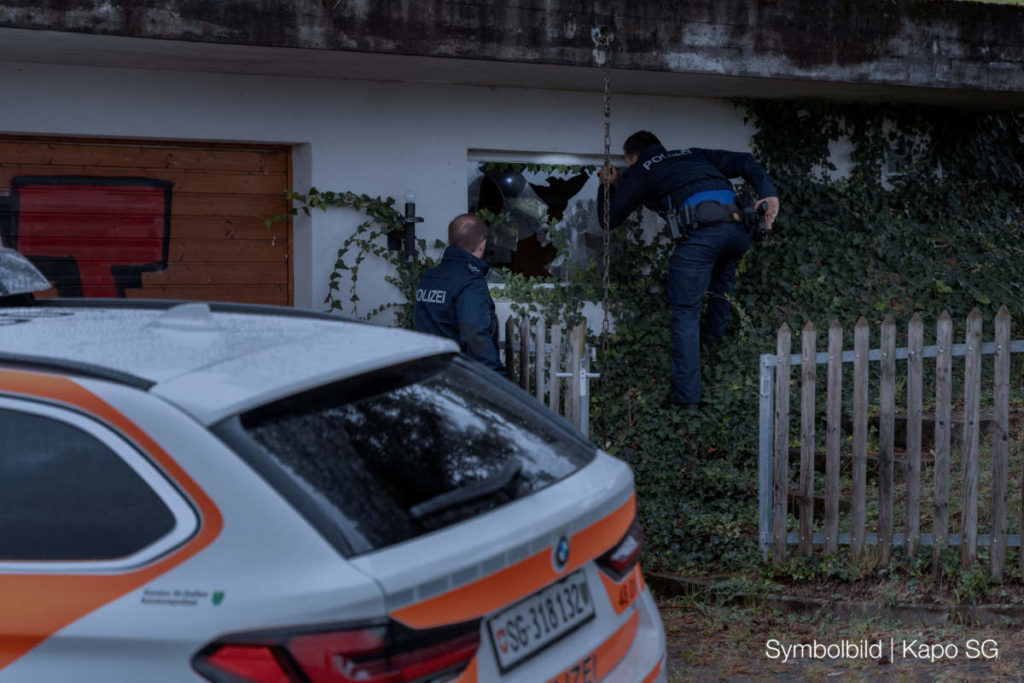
x=542, y=215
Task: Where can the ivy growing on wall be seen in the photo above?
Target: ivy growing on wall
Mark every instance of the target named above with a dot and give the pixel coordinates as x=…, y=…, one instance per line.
x=368, y=239
x=941, y=232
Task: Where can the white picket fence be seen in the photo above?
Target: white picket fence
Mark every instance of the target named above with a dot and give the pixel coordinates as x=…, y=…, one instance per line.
x=559, y=374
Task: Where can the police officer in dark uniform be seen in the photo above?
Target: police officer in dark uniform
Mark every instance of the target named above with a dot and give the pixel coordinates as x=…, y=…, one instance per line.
x=690, y=188
x=452, y=299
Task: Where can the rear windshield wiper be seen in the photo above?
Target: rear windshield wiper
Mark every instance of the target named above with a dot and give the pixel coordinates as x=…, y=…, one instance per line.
x=477, y=489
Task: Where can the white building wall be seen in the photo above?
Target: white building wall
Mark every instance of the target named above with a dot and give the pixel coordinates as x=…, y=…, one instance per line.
x=374, y=138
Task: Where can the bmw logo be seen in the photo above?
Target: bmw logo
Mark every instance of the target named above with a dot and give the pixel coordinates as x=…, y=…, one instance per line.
x=560, y=555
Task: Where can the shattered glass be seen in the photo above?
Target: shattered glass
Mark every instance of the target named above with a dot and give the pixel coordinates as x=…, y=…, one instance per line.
x=542, y=223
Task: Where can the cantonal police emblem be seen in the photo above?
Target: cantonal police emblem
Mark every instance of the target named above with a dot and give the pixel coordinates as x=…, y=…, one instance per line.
x=560, y=554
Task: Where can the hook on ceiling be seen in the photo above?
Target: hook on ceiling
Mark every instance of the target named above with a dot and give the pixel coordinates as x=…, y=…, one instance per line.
x=602, y=37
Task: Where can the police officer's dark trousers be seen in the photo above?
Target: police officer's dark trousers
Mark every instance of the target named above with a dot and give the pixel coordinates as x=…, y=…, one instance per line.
x=704, y=262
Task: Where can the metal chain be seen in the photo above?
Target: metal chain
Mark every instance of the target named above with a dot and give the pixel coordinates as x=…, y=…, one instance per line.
x=606, y=188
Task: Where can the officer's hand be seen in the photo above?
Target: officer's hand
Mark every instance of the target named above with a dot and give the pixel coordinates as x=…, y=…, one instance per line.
x=772, y=204
x=608, y=174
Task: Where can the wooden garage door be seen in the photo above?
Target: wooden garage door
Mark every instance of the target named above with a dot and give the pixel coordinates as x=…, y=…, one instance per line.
x=149, y=220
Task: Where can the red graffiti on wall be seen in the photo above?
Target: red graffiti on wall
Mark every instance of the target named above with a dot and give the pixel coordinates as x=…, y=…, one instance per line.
x=92, y=236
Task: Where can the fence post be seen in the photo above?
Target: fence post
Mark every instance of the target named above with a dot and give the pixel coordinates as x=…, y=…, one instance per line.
x=538, y=341
x=554, y=395
x=972, y=387
x=860, y=435
x=915, y=343
x=808, y=371
x=781, y=483
x=766, y=392
x=577, y=350
x=524, y=353
x=1000, y=445
x=584, y=379
x=943, y=397
x=510, y=356
x=886, y=434
x=833, y=412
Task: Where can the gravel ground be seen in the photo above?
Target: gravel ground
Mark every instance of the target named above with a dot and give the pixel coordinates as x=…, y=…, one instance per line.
x=750, y=643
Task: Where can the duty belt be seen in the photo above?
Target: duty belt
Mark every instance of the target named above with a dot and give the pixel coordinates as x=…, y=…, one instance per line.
x=708, y=212
x=687, y=217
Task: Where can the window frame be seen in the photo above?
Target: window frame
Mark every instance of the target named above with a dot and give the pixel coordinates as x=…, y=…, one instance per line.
x=186, y=517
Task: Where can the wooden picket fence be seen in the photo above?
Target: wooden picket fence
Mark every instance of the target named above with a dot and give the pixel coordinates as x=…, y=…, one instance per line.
x=774, y=460
x=559, y=374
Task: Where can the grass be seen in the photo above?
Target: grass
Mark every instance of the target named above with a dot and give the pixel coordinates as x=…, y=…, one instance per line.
x=708, y=641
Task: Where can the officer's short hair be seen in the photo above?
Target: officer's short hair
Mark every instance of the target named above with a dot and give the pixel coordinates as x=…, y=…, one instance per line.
x=467, y=231
x=639, y=141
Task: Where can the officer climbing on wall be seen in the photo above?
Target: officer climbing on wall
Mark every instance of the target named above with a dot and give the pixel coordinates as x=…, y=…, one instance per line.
x=452, y=299
x=712, y=228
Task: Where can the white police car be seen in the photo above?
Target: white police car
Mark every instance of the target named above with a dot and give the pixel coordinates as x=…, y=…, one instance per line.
x=238, y=493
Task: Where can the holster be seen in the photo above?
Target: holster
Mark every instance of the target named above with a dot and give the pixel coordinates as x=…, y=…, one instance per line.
x=689, y=217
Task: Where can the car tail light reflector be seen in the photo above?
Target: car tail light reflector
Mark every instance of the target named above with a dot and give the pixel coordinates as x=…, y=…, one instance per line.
x=249, y=662
x=373, y=654
x=623, y=557
x=416, y=664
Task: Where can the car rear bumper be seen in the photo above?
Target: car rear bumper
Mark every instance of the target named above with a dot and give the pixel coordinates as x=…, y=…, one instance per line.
x=633, y=653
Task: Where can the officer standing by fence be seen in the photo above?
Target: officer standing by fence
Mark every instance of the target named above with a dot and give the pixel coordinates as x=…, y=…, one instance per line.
x=452, y=299
x=711, y=228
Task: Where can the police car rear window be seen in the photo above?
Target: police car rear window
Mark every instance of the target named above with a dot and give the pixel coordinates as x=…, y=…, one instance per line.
x=380, y=449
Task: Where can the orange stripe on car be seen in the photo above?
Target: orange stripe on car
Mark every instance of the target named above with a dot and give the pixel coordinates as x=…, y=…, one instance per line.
x=654, y=673
x=622, y=593
x=611, y=652
x=519, y=580
x=601, y=662
x=37, y=606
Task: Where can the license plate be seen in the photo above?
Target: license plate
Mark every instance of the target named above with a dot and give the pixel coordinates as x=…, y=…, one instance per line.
x=532, y=624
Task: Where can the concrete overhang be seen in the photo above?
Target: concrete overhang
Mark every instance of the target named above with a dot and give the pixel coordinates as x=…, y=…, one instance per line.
x=955, y=53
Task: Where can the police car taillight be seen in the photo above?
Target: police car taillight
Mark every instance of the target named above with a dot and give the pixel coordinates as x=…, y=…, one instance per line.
x=372, y=654
x=618, y=561
x=246, y=662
